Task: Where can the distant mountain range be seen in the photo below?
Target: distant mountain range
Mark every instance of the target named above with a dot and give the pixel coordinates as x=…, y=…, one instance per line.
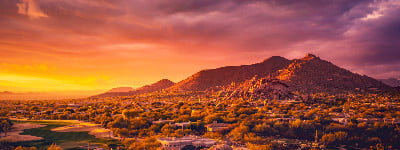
x=309, y=74
x=128, y=91
x=391, y=82
x=226, y=75
x=6, y=93
x=162, y=84
x=121, y=89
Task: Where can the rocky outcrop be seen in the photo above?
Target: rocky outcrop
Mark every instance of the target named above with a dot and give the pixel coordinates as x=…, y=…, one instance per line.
x=264, y=88
x=312, y=74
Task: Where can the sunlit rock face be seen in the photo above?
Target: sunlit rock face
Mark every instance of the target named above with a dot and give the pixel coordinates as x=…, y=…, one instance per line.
x=264, y=88
x=312, y=74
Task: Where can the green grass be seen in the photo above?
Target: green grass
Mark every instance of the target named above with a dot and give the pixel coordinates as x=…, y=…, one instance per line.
x=69, y=138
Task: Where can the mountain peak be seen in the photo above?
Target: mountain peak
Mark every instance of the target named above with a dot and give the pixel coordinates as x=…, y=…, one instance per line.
x=310, y=74
x=309, y=56
x=165, y=81
x=393, y=82
x=128, y=91
x=274, y=59
x=159, y=85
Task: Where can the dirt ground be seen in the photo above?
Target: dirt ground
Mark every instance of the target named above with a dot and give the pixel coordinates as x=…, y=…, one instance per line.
x=14, y=134
x=102, y=133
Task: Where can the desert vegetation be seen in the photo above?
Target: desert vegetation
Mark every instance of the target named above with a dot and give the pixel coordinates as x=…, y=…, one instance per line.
x=362, y=120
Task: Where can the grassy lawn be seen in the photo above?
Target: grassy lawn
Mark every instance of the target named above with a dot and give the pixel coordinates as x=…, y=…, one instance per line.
x=67, y=140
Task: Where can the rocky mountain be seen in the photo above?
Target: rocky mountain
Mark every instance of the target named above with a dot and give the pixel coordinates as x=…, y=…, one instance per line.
x=309, y=74
x=6, y=93
x=121, y=89
x=226, y=75
x=275, y=77
x=306, y=75
x=312, y=74
x=263, y=88
x=160, y=85
x=113, y=94
x=391, y=82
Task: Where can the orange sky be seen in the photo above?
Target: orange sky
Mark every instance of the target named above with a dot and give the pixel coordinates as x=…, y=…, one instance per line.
x=52, y=50
x=95, y=45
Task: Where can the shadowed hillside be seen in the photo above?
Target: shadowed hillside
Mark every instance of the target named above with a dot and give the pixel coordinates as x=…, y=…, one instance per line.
x=226, y=75
x=160, y=85
x=391, y=82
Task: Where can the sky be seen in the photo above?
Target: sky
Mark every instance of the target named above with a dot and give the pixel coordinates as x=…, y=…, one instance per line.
x=95, y=45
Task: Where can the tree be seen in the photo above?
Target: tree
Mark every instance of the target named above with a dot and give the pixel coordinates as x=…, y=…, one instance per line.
x=213, y=117
x=334, y=138
x=124, y=133
x=167, y=130
x=129, y=114
x=145, y=144
x=340, y=136
x=25, y=148
x=214, y=135
x=264, y=129
x=328, y=139
x=302, y=129
x=189, y=147
x=238, y=133
x=54, y=147
x=259, y=147
x=6, y=126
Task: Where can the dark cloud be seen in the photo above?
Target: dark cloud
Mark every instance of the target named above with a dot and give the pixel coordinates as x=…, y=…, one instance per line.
x=381, y=39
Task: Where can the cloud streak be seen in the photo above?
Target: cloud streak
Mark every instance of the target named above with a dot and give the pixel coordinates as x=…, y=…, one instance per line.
x=31, y=9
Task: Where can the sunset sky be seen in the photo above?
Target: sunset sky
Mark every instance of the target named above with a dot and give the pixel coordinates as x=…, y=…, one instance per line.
x=95, y=45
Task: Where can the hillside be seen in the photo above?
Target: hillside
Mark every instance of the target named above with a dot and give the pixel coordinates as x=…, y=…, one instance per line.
x=263, y=88
x=6, y=93
x=226, y=75
x=121, y=89
x=391, y=82
x=312, y=74
x=308, y=74
x=160, y=85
